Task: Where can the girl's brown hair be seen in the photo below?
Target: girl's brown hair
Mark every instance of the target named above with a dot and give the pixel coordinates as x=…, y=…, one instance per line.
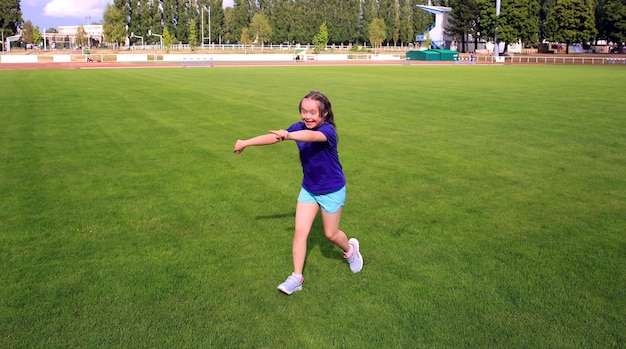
x=325, y=107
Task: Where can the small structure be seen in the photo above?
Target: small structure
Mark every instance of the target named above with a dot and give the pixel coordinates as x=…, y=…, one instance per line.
x=436, y=32
x=299, y=55
x=432, y=55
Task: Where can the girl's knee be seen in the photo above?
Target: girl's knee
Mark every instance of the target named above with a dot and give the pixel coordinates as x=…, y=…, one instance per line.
x=332, y=235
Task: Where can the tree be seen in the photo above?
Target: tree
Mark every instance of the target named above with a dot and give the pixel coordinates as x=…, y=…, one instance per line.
x=217, y=19
x=519, y=20
x=170, y=19
x=10, y=17
x=370, y=13
x=545, y=11
x=321, y=38
x=280, y=17
x=28, y=32
x=81, y=36
x=377, y=32
x=388, y=12
x=193, y=35
x=613, y=19
x=153, y=20
x=114, y=25
x=242, y=10
x=245, y=37
x=37, y=37
x=228, y=29
x=462, y=21
x=260, y=28
x=407, y=32
x=168, y=39
x=182, y=24
x=571, y=22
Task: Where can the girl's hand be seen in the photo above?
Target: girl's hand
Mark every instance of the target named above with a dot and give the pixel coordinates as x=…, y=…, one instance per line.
x=281, y=135
x=239, y=146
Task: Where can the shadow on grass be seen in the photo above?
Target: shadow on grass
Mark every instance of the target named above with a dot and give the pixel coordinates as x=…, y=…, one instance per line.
x=275, y=216
x=316, y=236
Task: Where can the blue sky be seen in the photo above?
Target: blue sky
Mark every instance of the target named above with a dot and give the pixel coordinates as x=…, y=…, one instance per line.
x=55, y=13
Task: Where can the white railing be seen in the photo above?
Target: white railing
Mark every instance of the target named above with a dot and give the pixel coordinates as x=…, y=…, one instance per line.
x=570, y=59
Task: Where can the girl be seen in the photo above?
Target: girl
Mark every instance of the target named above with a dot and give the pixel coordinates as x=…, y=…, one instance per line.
x=323, y=185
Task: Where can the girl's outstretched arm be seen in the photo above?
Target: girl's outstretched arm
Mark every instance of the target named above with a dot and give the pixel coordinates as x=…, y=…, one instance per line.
x=300, y=136
x=266, y=139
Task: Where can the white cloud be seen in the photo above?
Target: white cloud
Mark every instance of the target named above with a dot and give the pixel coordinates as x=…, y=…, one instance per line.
x=75, y=8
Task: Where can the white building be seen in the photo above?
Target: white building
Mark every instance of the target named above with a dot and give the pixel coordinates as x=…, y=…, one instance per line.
x=66, y=36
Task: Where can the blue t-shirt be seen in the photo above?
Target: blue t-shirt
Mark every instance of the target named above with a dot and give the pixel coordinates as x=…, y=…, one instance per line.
x=322, y=170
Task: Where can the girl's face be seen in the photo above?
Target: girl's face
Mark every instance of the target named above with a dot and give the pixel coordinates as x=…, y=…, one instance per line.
x=310, y=113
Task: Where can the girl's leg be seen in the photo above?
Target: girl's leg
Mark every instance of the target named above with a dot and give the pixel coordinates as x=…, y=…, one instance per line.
x=305, y=215
x=332, y=232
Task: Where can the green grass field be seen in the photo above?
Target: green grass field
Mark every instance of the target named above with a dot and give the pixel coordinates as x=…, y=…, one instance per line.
x=490, y=202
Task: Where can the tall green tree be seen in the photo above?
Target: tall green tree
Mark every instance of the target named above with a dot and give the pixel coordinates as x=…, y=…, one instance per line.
x=388, y=12
x=81, y=36
x=369, y=14
x=613, y=21
x=571, y=22
x=142, y=23
x=228, y=28
x=193, y=35
x=28, y=32
x=153, y=20
x=170, y=18
x=377, y=32
x=183, y=17
x=243, y=11
x=280, y=18
x=518, y=20
x=168, y=39
x=10, y=18
x=37, y=36
x=545, y=10
x=462, y=21
x=260, y=28
x=244, y=39
x=321, y=38
x=407, y=31
x=113, y=25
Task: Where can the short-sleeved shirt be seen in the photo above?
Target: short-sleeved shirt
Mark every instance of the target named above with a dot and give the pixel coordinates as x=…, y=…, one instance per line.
x=320, y=161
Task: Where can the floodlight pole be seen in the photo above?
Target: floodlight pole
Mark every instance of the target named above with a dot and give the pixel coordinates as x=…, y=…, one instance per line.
x=202, y=26
x=202, y=19
x=496, y=48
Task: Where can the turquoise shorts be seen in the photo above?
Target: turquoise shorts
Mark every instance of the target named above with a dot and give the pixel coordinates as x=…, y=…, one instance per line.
x=330, y=202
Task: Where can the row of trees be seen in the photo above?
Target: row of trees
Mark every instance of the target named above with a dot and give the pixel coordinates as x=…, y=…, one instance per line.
x=392, y=22
x=388, y=21
x=273, y=21
x=532, y=21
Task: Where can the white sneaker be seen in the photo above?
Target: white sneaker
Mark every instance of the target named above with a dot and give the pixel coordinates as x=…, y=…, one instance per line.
x=355, y=260
x=291, y=285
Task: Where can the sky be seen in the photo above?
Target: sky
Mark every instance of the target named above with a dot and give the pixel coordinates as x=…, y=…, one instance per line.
x=54, y=13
